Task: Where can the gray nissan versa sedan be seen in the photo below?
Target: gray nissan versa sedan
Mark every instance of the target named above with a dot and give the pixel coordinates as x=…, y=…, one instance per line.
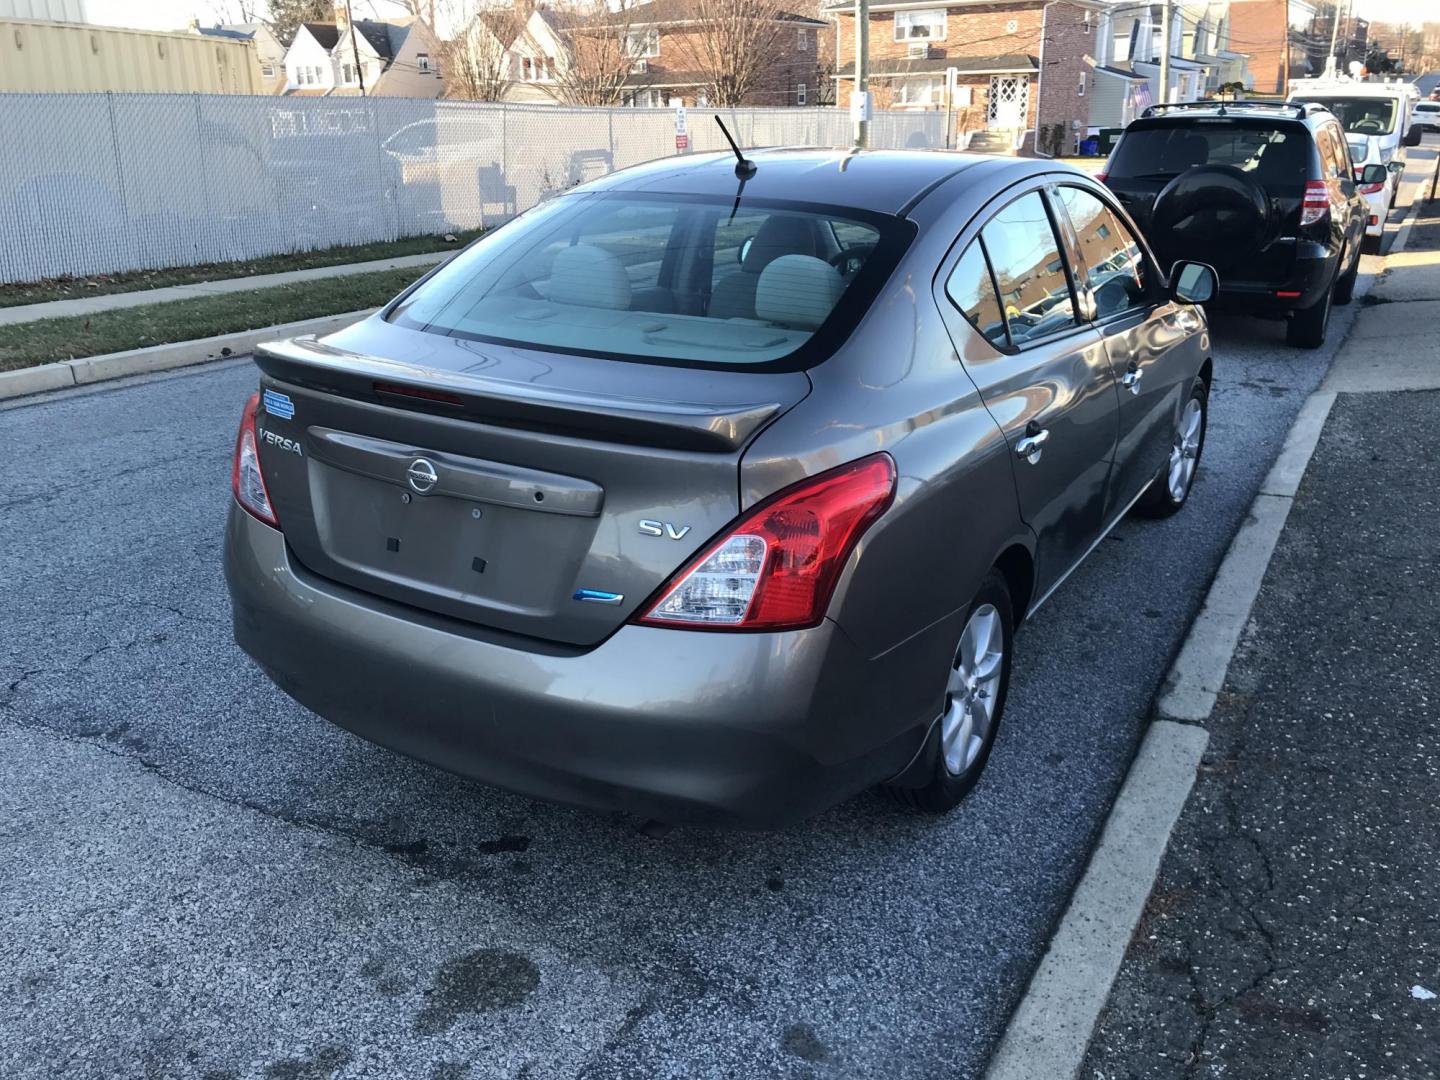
x=715, y=491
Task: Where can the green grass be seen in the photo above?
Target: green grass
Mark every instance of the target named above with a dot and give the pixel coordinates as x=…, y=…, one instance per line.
x=68, y=288
x=48, y=340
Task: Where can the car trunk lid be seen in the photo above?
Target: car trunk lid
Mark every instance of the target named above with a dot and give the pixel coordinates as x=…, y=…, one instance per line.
x=539, y=493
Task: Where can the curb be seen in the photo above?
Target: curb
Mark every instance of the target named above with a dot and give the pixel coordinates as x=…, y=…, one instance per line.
x=93, y=369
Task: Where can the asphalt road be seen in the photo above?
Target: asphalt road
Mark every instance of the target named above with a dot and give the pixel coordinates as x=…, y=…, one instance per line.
x=202, y=879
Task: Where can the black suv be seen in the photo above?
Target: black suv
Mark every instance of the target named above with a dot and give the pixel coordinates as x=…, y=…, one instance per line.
x=1263, y=191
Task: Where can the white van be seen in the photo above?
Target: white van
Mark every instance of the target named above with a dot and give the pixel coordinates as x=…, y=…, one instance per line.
x=1377, y=118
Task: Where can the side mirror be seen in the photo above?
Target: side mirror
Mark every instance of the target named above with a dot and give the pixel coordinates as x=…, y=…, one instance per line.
x=1193, y=282
x=1396, y=167
x=1374, y=174
x=744, y=249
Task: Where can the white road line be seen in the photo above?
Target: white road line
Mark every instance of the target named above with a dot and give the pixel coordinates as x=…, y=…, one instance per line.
x=1049, y=1032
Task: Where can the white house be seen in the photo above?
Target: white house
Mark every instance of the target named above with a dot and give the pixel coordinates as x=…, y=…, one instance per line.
x=393, y=58
x=1127, y=60
x=514, y=54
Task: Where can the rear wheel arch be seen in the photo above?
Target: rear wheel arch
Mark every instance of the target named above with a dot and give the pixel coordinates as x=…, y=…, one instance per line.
x=1207, y=371
x=1017, y=566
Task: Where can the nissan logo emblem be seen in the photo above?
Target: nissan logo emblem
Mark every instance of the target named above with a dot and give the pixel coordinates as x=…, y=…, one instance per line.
x=422, y=476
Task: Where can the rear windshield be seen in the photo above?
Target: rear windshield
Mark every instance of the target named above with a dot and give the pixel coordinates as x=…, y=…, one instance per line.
x=665, y=278
x=1359, y=115
x=1273, y=156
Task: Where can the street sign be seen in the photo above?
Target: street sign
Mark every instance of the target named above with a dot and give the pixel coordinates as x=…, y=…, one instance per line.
x=682, y=131
x=861, y=105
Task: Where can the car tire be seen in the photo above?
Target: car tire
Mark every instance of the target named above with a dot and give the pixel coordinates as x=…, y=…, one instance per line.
x=1345, y=287
x=1308, y=326
x=1171, y=488
x=1370, y=245
x=953, y=770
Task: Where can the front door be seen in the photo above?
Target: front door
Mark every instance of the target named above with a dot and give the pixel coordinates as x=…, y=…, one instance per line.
x=1142, y=330
x=1047, y=380
x=1009, y=102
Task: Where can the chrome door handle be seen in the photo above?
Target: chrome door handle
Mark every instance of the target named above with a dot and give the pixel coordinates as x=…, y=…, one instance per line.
x=1131, y=380
x=1031, y=447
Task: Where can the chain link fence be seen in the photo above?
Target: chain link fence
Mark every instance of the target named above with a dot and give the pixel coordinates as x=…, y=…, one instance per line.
x=101, y=183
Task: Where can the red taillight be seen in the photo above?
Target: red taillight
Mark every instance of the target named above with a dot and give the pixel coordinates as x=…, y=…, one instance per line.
x=1101, y=176
x=777, y=566
x=1315, y=206
x=1371, y=189
x=246, y=479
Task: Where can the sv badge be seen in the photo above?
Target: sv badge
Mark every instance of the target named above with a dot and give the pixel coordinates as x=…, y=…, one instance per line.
x=663, y=528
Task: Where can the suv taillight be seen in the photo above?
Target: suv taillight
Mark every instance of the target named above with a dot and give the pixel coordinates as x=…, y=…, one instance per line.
x=1315, y=207
x=246, y=480
x=776, y=567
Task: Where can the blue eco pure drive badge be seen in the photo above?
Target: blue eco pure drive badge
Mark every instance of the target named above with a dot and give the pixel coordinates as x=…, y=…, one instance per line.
x=279, y=405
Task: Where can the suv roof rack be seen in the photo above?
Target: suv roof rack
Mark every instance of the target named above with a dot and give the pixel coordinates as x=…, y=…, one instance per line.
x=1298, y=109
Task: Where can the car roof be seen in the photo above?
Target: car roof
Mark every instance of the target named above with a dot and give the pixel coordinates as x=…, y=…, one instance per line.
x=1267, y=111
x=885, y=181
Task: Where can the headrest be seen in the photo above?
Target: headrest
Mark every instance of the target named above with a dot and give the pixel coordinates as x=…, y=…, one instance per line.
x=798, y=291
x=780, y=234
x=589, y=276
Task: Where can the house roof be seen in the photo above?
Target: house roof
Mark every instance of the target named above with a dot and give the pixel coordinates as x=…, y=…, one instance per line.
x=962, y=64
x=847, y=7
x=1119, y=72
x=662, y=12
x=327, y=34
x=234, y=33
x=386, y=38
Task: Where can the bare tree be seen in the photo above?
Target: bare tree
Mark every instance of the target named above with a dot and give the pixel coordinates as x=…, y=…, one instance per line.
x=734, y=46
x=475, y=63
x=603, y=47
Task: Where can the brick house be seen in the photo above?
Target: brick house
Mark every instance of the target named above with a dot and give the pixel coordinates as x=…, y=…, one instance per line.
x=666, y=47
x=1019, y=67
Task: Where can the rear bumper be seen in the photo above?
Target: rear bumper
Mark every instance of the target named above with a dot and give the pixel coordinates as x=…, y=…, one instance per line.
x=1379, y=204
x=750, y=730
x=1311, y=274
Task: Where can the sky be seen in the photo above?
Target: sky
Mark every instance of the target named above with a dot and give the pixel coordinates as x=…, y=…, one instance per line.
x=176, y=14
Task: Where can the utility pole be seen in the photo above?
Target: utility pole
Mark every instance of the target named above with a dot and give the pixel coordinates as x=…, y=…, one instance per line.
x=862, y=64
x=354, y=48
x=1166, y=13
x=1333, y=66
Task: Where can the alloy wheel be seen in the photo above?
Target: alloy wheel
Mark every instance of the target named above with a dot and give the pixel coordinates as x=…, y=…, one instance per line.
x=972, y=691
x=1185, y=451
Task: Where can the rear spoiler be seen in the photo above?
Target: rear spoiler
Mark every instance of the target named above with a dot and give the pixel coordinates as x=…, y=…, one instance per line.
x=309, y=363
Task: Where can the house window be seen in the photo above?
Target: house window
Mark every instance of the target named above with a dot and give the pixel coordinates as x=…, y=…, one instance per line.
x=642, y=43
x=928, y=25
x=926, y=91
x=267, y=71
x=422, y=61
x=800, y=94
x=802, y=40
x=702, y=99
x=347, y=73
x=526, y=71
x=1080, y=91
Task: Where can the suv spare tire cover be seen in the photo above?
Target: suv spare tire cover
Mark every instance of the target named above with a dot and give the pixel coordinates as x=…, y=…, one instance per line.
x=1211, y=213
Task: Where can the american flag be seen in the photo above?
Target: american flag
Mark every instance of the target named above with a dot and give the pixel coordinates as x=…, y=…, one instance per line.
x=1143, y=97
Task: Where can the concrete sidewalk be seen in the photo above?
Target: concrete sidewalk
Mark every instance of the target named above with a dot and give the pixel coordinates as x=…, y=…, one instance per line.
x=1294, y=930
x=89, y=305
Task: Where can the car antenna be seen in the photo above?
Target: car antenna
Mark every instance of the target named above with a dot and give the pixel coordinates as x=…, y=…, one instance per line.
x=744, y=168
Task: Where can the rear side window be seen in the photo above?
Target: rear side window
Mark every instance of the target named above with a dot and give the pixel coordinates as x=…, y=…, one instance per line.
x=665, y=278
x=972, y=289
x=1114, y=266
x=1029, y=270
x=1270, y=155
